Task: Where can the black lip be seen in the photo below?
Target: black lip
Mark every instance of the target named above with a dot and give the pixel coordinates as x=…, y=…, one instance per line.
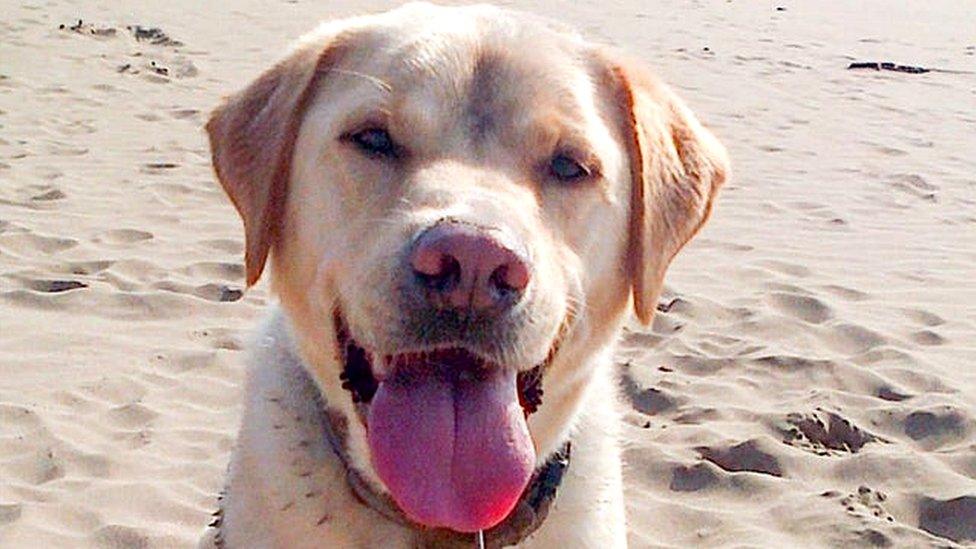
x=357, y=373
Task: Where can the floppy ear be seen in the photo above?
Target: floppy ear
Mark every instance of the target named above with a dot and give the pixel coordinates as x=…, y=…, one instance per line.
x=252, y=136
x=676, y=168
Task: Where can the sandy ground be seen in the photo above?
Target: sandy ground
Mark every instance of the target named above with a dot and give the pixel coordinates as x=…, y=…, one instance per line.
x=813, y=382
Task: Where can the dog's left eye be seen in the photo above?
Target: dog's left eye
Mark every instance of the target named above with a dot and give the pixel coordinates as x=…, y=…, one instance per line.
x=375, y=142
x=564, y=168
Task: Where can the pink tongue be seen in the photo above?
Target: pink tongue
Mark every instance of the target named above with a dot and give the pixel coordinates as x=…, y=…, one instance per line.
x=454, y=454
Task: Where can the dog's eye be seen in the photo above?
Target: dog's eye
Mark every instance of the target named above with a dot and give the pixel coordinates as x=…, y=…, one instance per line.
x=564, y=168
x=375, y=142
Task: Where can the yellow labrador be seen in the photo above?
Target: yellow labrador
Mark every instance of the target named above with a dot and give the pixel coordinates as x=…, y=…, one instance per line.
x=458, y=207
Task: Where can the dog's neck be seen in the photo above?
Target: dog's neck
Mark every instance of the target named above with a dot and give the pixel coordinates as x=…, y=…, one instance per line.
x=527, y=516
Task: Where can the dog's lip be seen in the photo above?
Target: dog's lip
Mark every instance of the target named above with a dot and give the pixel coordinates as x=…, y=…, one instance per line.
x=362, y=378
x=390, y=360
x=403, y=363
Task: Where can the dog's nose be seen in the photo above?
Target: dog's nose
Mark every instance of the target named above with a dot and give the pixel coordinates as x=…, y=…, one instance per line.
x=463, y=267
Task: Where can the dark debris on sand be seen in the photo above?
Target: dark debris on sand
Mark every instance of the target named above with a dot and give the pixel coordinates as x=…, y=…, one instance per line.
x=894, y=67
x=87, y=28
x=888, y=66
x=153, y=35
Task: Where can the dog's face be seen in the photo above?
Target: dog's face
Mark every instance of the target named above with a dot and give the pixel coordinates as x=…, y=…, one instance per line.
x=460, y=203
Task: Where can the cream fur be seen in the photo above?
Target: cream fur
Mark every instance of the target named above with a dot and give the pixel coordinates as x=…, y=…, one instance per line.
x=335, y=223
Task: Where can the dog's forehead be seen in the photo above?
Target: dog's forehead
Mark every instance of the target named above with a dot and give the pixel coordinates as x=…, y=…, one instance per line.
x=477, y=68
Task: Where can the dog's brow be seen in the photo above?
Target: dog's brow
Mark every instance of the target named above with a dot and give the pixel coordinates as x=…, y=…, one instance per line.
x=378, y=82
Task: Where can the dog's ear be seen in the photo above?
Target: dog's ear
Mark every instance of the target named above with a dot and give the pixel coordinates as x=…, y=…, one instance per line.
x=252, y=137
x=676, y=168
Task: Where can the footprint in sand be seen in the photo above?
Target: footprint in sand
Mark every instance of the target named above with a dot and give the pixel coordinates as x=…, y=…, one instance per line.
x=38, y=468
x=924, y=318
x=789, y=269
x=692, y=478
x=852, y=338
x=793, y=363
x=915, y=185
x=865, y=502
x=215, y=270
x=220, y=338
x=179, y=362
x=825, y=433
x=201, y=193
x=116, y=391
x=149, y=117
x=843, y=292
x=697, y=415
x=66, y=149
x=116, y=535
x=888, y=151
x=72, y=128
x=133, y=439
x=185, y=114
x=10, y=512
x=218, y=292
x=36, y=196
x=664, y=325
x=131, y=416
x=640, y=340
x=84, y=267
x=747, y=456
x=122, y=237
x=20, y=421
x=224, y=245
x=48, y=196
x=651, y=401
x=28, y=244
x=889, y=393
x=55, y=286
x=928, y=338
x=938, y=426
x=953, y=519
x=887, y=355
x=806, y=308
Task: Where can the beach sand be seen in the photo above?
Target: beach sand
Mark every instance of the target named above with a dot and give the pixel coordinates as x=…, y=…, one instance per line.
x=811, y=382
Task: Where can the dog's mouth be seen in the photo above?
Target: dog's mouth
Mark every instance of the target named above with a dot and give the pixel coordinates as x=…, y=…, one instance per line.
x=446, y=429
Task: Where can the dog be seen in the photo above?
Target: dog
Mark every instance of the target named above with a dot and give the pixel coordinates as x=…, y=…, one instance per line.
x=459, y=208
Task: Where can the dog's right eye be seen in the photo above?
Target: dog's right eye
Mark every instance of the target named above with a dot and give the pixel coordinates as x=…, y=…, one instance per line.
x=375, y=142
x=565, y=168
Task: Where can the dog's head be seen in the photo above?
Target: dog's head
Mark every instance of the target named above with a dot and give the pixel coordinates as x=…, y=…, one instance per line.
x=459, y=205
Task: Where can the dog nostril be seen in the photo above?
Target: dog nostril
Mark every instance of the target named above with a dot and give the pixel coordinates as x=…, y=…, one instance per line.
x=428, y=262
x=436, y=269
x=510, y=277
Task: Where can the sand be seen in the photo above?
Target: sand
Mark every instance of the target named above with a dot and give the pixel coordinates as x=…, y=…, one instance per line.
x=812, y=381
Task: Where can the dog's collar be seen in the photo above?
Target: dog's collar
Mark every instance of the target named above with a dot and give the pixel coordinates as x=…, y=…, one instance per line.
x=527, y=516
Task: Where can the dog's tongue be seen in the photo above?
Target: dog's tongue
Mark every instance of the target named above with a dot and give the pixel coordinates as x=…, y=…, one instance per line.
x=453, y=453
